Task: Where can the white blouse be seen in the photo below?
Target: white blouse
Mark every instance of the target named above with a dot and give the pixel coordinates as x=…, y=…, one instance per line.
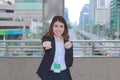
x=59, y=54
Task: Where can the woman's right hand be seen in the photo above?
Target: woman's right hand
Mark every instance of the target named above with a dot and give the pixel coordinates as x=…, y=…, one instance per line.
x=47, y=45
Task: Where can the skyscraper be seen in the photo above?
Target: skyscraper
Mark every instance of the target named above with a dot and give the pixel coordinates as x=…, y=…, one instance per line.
x=115, y=18
x=84, y=17
x=114, y=11
x=99, y=11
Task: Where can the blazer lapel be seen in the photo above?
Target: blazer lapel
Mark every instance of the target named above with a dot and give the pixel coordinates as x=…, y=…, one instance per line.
x=53, y=48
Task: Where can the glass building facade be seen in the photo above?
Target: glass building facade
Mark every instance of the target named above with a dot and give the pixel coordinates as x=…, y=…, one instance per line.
x=114, y=13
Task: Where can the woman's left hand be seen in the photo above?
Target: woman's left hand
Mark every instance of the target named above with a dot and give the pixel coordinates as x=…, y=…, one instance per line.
x=68, y=45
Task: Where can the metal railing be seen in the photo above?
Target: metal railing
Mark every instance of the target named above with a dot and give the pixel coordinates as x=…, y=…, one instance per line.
x=20, y=48
x=99, y=48
x=82, y=48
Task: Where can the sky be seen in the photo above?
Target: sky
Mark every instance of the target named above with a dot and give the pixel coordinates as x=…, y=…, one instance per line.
x=74, y=8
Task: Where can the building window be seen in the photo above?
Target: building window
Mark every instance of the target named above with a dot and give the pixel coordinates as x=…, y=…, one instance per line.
x=100, y=3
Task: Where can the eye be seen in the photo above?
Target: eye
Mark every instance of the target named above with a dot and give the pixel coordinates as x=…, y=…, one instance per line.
x=61, y=26
x=55, y=25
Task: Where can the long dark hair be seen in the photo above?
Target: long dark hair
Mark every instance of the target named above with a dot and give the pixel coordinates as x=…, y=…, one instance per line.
x=60, y=19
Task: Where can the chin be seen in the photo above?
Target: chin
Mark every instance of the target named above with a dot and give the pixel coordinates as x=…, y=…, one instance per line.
x=58, y=35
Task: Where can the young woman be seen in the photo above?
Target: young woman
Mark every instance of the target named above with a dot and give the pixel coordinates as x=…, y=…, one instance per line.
x=58, y=57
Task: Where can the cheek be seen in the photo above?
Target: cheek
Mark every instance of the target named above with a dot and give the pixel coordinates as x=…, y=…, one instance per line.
x=63, y=29
x=54, y=29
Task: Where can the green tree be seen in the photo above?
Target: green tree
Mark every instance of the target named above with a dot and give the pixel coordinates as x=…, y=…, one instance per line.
x=9, y=2
x=69, y=25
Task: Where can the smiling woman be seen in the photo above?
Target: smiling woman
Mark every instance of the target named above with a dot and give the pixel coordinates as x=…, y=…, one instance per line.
x=58, y=49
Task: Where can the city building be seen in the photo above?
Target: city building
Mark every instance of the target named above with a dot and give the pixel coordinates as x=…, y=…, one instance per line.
x=11, y=27
x=31, y=11
x=2, y=1
x=102, y=15
x=99, y=11
x=84, y=16
x=92, y=7
x=114, y=13
x=66, y=16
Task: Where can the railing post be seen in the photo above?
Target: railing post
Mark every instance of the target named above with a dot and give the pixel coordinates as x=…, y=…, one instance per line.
x=7, y=50
x=93, y=47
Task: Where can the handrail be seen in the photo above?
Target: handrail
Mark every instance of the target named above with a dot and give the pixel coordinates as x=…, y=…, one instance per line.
x=20, y=48
x=82, y=48
x=95, y=40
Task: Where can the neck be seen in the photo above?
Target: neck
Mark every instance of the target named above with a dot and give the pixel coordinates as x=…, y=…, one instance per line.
x=59, y=38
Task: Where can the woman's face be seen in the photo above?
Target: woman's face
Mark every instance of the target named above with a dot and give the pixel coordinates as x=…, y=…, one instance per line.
x=58, y=28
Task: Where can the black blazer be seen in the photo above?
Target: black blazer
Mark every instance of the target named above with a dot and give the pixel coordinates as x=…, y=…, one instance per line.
x=44, y=68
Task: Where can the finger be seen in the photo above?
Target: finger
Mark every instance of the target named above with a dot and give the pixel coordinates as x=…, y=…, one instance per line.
x=46, y=48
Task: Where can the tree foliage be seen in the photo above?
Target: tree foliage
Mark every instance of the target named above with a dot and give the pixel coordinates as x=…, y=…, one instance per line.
x=9, y=2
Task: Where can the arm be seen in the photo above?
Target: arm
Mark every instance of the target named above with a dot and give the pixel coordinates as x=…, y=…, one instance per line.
x=69, y=56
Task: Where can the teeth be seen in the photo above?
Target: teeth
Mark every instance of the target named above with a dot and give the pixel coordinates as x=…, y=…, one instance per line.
x=58, y=32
